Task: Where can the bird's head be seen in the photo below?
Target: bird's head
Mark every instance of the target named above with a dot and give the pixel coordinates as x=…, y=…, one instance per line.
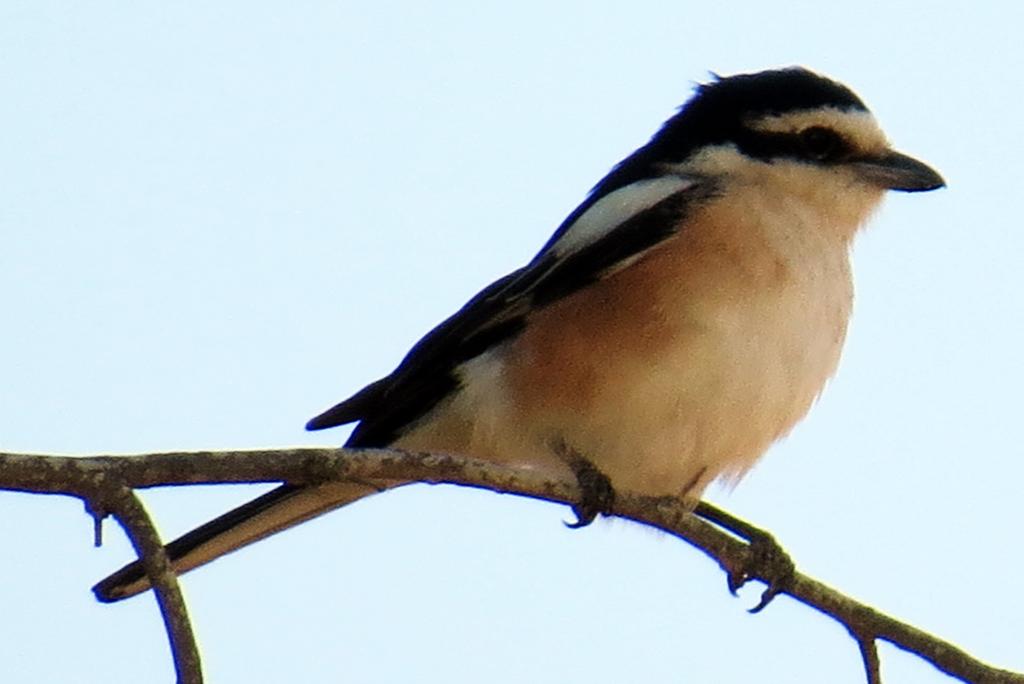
x=794, y=132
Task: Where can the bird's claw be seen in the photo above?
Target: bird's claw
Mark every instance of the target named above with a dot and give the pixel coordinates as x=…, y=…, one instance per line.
x=597, y=496
x=765, y=560
x=768, y=562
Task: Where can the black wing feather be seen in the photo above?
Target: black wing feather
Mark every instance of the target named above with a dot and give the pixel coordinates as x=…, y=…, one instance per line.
x=427, y=373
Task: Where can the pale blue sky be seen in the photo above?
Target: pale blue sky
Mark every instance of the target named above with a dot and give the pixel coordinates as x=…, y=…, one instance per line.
x=218, y=220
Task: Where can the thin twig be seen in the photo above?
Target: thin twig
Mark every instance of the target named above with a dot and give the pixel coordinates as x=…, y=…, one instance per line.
x=124, y=505
x=869, y=654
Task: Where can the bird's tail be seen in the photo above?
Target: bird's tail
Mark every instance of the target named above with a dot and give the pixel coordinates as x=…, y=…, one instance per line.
x=277, y=510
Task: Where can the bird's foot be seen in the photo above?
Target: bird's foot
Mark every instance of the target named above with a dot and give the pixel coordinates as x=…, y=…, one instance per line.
x=766, y=560
x=596, y=492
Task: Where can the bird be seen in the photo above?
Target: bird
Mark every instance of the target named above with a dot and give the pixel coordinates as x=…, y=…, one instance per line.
x=683, y=318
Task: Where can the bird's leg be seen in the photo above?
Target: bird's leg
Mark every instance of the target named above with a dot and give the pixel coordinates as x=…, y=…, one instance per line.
x=596, y=492
x=767, y=561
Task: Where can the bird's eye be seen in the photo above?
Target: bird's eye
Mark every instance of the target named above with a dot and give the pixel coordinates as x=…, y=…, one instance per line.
x=821, y=144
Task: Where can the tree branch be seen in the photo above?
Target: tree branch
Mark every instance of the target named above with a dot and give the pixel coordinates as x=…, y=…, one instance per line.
x=84, y=477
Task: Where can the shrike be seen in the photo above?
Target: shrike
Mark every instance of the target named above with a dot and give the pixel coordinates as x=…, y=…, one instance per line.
x=681, y=319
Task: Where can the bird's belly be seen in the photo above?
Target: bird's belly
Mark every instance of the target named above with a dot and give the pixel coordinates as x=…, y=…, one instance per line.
x=665, y=393
x=705, y=409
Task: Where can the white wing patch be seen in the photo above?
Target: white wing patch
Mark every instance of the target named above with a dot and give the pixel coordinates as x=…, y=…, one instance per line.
x=615, y=208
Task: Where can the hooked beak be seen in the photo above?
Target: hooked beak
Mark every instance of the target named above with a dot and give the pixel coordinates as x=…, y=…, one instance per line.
x=895, y=171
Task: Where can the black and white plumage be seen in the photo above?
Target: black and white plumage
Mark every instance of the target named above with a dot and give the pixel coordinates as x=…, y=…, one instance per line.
x=679, y=321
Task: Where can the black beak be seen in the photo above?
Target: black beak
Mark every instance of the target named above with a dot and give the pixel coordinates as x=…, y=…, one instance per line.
x=895, y=171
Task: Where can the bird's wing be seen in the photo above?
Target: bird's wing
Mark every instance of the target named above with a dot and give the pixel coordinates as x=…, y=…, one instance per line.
x=604, y=235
